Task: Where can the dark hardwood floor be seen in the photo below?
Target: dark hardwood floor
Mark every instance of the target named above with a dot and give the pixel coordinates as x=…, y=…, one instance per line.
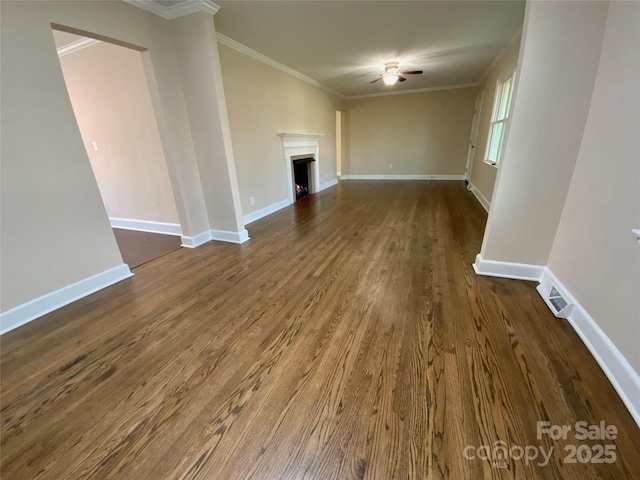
x=137, y=247
x=348, y=339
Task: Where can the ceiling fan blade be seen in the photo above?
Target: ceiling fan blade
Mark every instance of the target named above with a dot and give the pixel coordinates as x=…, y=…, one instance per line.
x=401, y=79
x=376, y=80
x=415, y=72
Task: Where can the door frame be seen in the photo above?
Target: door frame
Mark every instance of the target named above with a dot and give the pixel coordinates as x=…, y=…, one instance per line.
x=473, y=138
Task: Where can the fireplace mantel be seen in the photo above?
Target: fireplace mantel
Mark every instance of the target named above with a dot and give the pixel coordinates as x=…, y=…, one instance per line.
x=294, y=144
x=300, y=137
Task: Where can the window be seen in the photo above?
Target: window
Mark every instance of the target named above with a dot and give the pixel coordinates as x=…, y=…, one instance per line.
x=498, y=119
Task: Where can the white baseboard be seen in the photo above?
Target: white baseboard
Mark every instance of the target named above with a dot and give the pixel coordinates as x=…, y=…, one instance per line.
x=518, y=271
x=329, y=184
x=486, y=204
x=146, y=226
x=232, y=237
x=196, y=240
x=402, y=177
x=219, y=235
x=49, y=302
x=263, y=212
x=620, y=373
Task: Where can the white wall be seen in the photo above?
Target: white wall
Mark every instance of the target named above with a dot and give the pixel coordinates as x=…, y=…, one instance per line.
x=112, y=105
x=594, y=253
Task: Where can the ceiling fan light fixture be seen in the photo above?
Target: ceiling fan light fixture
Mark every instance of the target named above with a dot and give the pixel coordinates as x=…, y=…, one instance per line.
x=389, y=79
x=391, y=67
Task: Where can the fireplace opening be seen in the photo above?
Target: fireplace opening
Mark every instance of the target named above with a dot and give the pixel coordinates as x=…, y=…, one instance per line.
x=302, y=176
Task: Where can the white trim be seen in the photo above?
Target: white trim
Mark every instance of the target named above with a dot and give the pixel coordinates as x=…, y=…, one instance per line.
x=329, y=184
x=149, y=6
x=415, y=90
x=196, y=240
x=402, y=177
x=179, y=9
x=49, y=302
x=518, y=271
x=263, y=212
x=76, y=46
x=473, y=138
x=237, y=46
x=615, y=366
x=146, y=226
x=500, y=55
x=508, y=76
x=219, y=235
x=486, y=204
x=231, y=237
x=490, y=163
x=295, y=137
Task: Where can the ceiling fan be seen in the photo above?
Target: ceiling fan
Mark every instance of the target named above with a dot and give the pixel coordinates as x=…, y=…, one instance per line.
x=392, y=74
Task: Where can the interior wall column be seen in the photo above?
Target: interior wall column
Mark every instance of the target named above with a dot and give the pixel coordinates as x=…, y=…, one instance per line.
x=197, y=55
x=170, y=110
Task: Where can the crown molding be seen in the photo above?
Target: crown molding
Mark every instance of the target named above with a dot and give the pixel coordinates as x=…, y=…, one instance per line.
x=77, y=46
x=176, y=10
x=191, y=6
x=224, y=40
x=500, y=55
x=149, y=6
x=415, y=90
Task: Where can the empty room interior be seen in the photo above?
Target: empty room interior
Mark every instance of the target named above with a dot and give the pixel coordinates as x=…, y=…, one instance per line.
x=320, y=239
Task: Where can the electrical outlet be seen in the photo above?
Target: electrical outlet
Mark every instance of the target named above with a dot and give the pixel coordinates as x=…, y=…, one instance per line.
x=390, y=166
x=252, y=200
x=95, y=146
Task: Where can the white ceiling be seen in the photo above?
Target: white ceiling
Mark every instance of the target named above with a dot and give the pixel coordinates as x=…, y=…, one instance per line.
x=344, y=44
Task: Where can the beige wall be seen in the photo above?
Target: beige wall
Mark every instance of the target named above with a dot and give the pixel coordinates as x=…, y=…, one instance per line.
x=419, y=133
x=112, y=105
x=554, y=84
x=262, y=102
x=483, y=175
x=594, y=253
x=55, y=231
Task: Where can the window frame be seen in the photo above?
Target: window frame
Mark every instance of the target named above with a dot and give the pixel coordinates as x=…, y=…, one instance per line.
x=502, y=121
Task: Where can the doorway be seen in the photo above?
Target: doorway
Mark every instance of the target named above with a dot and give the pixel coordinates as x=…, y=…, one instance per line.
x=473, y=138
x=111, y=101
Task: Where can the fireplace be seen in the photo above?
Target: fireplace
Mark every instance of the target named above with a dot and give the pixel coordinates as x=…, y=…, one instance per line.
x=301, y=149
x=303, y=176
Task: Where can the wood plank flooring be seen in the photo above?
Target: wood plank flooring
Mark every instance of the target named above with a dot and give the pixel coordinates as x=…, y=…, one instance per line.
x=137, y=247
x=348, y=339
